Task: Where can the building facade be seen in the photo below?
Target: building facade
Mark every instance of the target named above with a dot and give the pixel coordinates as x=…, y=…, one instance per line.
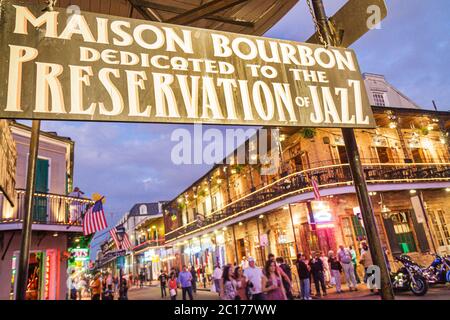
x=234, y=211
x=144, y=226
x=56, y=225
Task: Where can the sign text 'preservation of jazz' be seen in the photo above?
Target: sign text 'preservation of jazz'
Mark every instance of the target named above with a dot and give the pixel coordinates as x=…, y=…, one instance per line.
x=85, y=66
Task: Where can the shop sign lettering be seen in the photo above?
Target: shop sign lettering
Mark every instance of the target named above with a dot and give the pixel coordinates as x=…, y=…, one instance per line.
x=92, y=67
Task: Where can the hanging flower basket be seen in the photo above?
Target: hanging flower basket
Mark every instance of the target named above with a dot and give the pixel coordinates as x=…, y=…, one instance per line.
x=307, y=133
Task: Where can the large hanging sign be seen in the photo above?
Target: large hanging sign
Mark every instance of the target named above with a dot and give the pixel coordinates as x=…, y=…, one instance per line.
x=101, y=68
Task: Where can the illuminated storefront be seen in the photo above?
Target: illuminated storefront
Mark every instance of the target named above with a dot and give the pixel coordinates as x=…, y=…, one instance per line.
x=43, y=275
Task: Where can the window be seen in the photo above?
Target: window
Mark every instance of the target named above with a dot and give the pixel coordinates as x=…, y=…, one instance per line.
x=440, y=227
x=403, y=232
x=143, y=209
x=347, y=231
x=214, y=203
x=379, y=99
x=384, y=154
x=342, y=154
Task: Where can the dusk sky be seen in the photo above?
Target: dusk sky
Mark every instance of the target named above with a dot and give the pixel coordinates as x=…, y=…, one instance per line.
x=130, y=163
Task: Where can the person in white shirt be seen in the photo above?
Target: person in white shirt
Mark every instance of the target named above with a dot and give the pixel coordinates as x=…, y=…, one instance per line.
x=217, y=276
x=244, y=263
x=345, y=258
x=254, y=276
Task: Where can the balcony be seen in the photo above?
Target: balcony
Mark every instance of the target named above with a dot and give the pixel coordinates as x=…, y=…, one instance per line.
x=149, y=243
x=50, y=212
x=330, y=176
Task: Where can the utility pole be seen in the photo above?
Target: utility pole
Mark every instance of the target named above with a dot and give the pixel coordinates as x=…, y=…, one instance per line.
x=359, y=182
x=25, y=243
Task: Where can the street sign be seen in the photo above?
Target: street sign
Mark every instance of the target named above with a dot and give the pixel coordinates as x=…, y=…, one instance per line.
x=355, y=19
x=8, y=158
x=91, y=67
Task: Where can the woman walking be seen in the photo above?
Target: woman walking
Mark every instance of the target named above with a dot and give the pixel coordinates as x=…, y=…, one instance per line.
x=240, y=284
x=96, y=287
x=227, y=289
x=173, y=286
x=271, y=283
x=336, y=269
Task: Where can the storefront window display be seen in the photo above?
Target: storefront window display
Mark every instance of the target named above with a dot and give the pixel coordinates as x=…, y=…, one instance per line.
x=42, y=279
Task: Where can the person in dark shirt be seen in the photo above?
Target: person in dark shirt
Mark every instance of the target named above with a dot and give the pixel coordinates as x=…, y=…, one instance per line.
x=336, y=269
x=287, y=270
x=163, y=282
x=304, y=275
x=194, y=279
x=317, y=272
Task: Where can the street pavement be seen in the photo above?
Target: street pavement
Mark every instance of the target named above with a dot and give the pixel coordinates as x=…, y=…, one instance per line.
x=154, y=293
x=434, y=293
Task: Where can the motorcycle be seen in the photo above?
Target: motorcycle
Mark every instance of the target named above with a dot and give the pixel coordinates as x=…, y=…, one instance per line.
x=438, y=272
x=409, y=277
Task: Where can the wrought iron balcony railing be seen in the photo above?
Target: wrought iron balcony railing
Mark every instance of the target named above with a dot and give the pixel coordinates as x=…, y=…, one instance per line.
x=48, y=208
x=327, y=177
x=149, y=243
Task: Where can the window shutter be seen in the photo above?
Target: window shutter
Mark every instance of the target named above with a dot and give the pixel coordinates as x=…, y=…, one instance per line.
x=395, y=247
x=420, y=233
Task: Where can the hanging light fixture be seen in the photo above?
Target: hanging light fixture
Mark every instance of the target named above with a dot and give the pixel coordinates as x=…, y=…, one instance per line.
x=385, y=211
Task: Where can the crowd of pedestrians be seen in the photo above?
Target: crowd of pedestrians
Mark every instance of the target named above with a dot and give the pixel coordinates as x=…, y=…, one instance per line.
x=101, y=286
x=245, y=281
x=331, y=270
x=274, y=281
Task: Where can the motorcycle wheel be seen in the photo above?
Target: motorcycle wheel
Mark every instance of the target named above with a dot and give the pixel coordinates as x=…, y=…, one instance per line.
x=421, y=286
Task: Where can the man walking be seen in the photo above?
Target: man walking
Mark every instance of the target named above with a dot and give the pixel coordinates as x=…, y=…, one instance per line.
x=287, y=283
x=304, y=275
x=317, y=272
x=162, y=283
x=254, y=276
x=366, y=259
x=185, y=280
x=194, y=279
x=217, y=276
x=345, y=258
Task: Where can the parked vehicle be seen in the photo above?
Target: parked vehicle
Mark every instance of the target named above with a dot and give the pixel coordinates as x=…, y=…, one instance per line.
x=438, y=272
x=409, y=277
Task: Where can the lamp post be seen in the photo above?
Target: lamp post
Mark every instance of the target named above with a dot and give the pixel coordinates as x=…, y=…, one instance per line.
x=358, y=178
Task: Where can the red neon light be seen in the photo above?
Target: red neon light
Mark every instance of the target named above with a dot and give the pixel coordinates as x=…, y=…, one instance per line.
x=47, y=278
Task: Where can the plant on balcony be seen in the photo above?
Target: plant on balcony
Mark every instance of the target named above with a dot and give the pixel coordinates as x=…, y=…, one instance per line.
x=307, y=133
x=202, y=193
x=181, y=206
x=424, y=130
x=238, y=168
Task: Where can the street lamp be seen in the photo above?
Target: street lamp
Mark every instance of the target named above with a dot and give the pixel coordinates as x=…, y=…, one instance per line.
x=385, y=212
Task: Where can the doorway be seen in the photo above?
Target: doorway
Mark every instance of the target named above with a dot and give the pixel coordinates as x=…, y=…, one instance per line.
x=384, y=154
x=342, y=154
x=403, y=232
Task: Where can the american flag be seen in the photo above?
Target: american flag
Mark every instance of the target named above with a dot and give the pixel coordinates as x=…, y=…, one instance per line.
x=315, y=188
x=122, y=241
x=94, y=219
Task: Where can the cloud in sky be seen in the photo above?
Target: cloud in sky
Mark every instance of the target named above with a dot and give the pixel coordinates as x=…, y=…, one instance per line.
x=411, y=48
x=130, y=163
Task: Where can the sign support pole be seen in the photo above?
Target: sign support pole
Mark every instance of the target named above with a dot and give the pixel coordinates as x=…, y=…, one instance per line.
x=22, y=274
x=359, y=182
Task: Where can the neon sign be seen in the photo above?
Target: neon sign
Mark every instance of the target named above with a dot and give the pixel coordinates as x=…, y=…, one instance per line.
x=47, y=278
x=321, y=212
